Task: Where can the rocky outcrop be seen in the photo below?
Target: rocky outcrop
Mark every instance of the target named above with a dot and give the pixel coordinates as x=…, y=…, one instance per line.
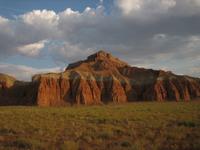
x=102, y=78
x=13, y=92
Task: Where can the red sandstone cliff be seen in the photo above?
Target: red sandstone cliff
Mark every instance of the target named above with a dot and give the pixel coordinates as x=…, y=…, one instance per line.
x=102, y=78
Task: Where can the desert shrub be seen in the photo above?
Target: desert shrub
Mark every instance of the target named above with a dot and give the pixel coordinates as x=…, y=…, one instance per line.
x=186, y=124
x=126, y=144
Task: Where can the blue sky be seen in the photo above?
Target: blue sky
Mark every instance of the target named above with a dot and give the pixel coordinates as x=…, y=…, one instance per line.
x=10, y=8
x=46, y=35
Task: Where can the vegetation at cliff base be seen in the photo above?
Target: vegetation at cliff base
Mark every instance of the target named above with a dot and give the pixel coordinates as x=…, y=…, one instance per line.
x=134, y=126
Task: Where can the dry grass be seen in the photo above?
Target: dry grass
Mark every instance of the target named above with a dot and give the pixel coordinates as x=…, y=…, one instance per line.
x=148, y=125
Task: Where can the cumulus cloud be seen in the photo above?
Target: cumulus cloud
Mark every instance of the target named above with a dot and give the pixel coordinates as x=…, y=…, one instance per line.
x=32, y=49
x=140, y=6
x=40, y=23
x=39, y=17
x=21, y=37
x=154, y=9
x=149, y=33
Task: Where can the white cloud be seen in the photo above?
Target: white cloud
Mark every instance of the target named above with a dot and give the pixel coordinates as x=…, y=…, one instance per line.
x=154, y=9
x=3, y=20
x=22, y=72
x=40, y=17
x=128, y=6
x=70, y=12
x=140, y=8
x=32, y=49
x=169, y=30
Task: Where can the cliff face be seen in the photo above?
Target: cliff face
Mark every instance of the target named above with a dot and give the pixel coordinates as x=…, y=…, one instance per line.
x=102, y=78
x=13, y=92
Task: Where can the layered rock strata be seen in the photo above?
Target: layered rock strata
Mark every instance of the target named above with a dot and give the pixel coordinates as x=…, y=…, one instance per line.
x=101, y=78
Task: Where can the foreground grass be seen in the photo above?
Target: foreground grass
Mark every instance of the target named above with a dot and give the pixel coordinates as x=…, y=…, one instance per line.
x=147, y=125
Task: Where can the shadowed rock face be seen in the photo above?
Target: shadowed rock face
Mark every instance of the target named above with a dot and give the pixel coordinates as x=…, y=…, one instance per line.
x=102, y=78
x=13, y=92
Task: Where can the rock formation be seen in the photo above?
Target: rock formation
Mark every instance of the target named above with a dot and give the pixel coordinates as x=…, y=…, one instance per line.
x=101, y=78
x=13, y=92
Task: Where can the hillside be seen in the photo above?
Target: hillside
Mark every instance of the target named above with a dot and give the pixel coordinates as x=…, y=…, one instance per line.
x=102, y=78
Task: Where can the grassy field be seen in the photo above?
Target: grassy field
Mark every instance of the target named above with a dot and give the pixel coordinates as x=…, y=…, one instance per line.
x=134, y=126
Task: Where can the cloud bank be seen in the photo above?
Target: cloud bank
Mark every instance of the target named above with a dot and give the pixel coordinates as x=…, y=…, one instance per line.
x=161, y=34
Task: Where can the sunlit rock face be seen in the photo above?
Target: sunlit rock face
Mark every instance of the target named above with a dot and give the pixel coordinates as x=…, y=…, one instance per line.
x=102, y=78
x=99, y=79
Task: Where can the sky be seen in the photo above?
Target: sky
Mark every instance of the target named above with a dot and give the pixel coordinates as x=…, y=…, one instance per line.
x=46, y=35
